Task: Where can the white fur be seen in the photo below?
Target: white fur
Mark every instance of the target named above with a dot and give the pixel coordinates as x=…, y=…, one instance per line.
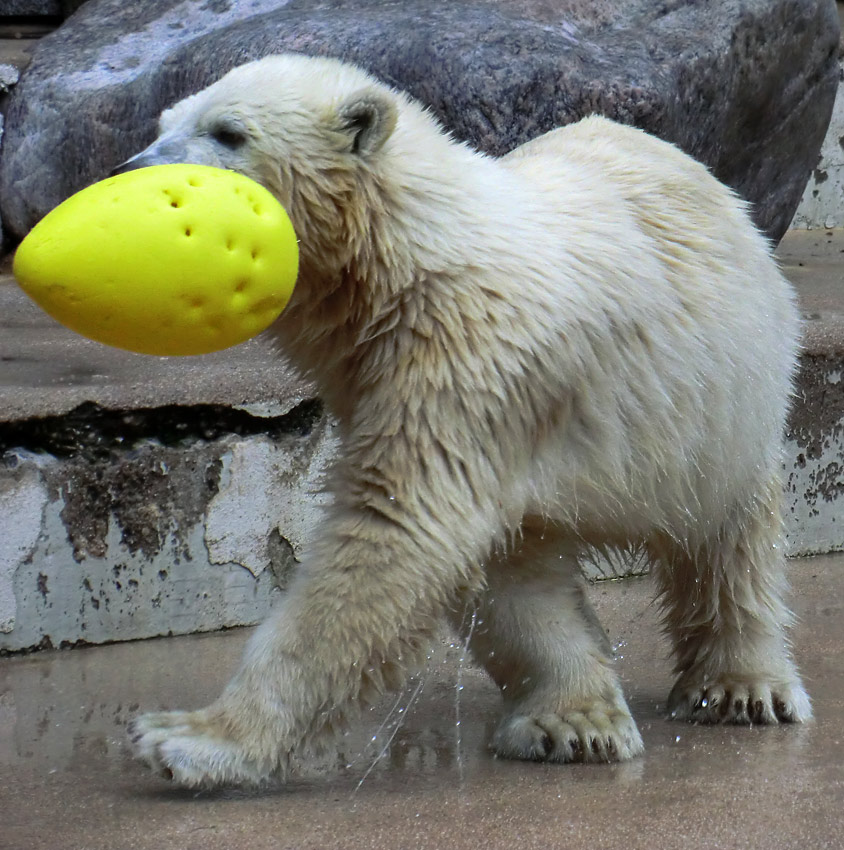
x=585, y=342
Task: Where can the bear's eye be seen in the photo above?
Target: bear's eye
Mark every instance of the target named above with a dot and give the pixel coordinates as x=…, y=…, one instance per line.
x=229, y=137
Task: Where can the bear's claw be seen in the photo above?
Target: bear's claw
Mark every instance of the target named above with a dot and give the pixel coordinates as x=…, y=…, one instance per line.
x=597, y=735
x=740, y=701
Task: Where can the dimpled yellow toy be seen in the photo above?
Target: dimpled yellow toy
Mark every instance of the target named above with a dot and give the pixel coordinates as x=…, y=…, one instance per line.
x=169, y=260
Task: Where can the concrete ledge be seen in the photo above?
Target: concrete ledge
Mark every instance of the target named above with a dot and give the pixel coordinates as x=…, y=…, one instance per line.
x=814, y=262
x=173, y=536
x=142, y=496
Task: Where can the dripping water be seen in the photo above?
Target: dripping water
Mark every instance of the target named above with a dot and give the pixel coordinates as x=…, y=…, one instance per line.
x=393, y=722
x=398, y=712
x=458, y=732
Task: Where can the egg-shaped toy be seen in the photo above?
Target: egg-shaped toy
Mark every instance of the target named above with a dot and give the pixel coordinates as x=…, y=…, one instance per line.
x=169, y=260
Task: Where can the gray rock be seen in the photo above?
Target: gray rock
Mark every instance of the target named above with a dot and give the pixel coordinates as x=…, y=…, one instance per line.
x=1, y=143
x=32, y=7
x=746, y=86
x=9, y=75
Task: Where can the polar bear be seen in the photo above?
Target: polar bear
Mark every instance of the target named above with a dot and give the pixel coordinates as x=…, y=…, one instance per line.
x=585, y=342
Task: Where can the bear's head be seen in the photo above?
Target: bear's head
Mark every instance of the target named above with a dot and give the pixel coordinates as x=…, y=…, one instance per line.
x=311, y=130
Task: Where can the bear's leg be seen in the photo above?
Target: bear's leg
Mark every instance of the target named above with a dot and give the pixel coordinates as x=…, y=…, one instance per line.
x=725, y=612
x=540, y=640
x=362, y=610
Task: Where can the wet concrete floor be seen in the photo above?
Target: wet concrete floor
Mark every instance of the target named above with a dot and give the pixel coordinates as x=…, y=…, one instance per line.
x=67, y=780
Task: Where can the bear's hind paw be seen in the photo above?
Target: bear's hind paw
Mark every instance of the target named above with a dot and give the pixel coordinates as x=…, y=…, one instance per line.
x=740, y=700
x=596, y=735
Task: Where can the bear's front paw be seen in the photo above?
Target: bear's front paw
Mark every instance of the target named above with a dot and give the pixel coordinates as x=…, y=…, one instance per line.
x=738, y=699
x=196, y=749
x=599, y=733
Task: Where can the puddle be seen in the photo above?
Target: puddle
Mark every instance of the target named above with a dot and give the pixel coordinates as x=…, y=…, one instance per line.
x=62, y=709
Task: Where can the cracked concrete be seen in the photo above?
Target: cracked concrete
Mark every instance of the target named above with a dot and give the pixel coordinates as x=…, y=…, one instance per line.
x=261, y=490
x=155, y=539
x=814, y=262
x=23, y=499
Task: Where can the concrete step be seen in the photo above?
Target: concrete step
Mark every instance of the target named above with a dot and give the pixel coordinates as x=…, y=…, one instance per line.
x=141, y=496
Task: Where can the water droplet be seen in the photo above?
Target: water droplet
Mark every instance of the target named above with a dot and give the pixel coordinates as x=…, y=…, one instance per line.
x=677, y=740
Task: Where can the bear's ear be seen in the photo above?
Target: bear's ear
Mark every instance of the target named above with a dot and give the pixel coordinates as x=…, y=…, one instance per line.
x=367, y=119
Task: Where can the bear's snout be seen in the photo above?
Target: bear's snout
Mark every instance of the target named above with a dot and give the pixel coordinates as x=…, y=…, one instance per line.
x=161, y=152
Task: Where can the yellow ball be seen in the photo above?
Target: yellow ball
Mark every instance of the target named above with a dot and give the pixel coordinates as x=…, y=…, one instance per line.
x=169, y=260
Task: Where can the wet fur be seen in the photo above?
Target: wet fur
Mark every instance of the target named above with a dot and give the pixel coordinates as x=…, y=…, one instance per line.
x=585, y=342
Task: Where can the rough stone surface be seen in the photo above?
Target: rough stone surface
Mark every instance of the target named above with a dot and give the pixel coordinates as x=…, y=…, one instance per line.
x=2, y=121
x=747, y=86
x=10, y=72
x=51, y=8
x=9, y=75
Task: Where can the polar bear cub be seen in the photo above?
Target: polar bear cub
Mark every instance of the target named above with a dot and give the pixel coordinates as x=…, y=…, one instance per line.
x=585, y=342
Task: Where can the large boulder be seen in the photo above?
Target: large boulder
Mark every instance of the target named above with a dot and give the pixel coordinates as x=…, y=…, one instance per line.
x=746, y=86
